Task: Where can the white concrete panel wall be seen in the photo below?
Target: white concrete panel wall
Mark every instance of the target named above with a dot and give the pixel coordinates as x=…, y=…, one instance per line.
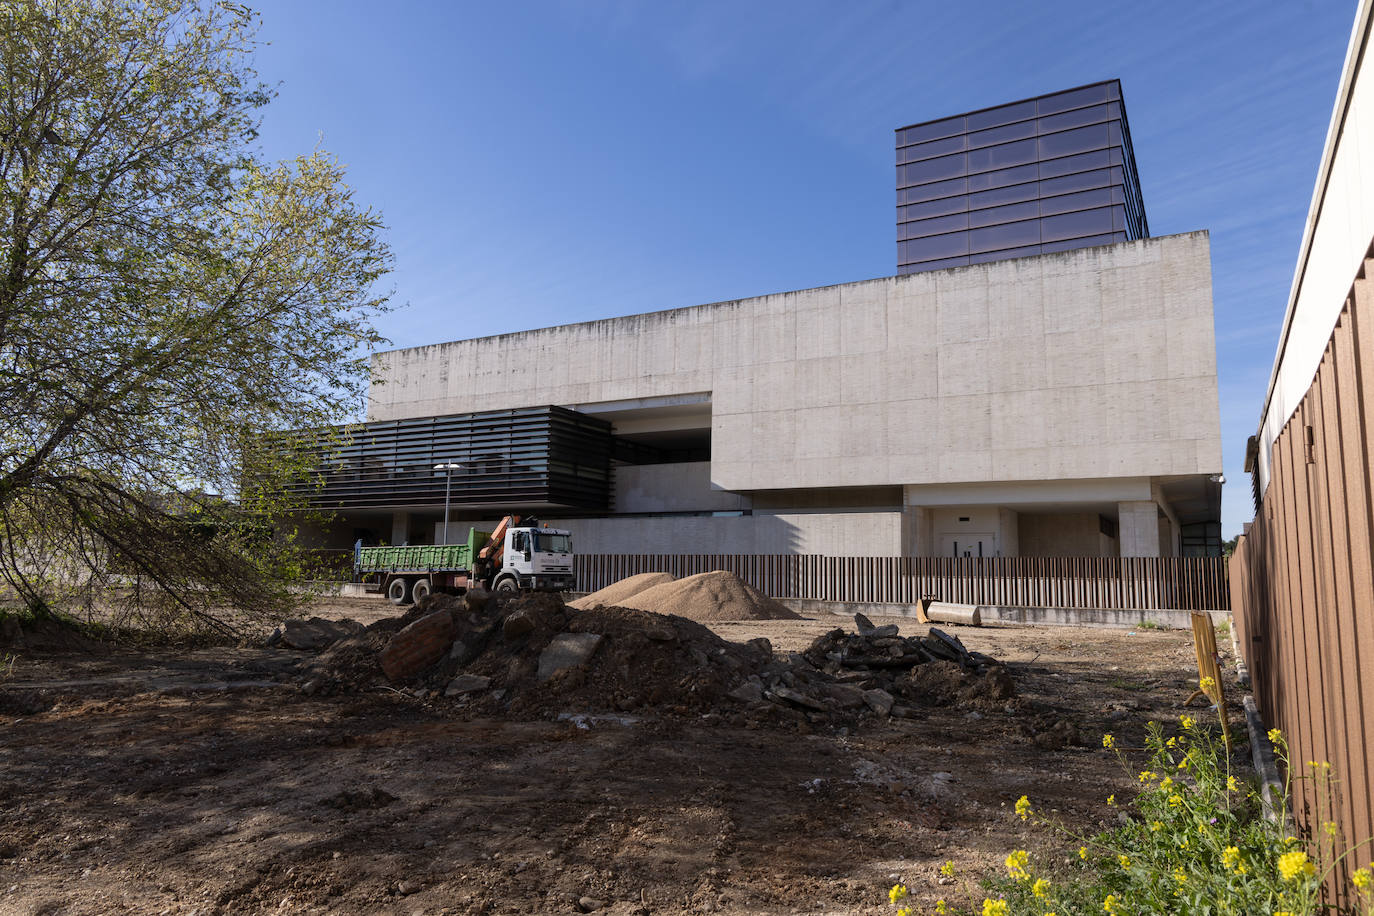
x=681, y=487
x=1085, y=364
x=876, y=534
x=1340, y=226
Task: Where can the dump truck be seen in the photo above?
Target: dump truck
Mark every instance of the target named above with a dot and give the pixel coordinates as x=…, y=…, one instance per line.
x=511, y=558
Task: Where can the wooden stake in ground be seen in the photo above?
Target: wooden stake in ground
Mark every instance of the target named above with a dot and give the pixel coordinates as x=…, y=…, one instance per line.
x=1209, y=670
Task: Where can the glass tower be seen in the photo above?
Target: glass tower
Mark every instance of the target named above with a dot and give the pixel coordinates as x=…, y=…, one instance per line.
x=1032, y=177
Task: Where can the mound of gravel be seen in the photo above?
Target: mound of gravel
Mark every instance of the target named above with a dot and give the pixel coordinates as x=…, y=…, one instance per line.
x=710, y=596
x=617, y=593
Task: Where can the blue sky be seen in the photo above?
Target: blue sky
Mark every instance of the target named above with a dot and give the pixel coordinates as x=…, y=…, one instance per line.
x=543, y=163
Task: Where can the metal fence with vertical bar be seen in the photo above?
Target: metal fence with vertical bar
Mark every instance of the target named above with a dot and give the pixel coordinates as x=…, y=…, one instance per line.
x=1132, y=583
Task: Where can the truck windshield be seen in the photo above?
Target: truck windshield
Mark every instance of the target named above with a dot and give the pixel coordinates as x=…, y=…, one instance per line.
x=552, y=543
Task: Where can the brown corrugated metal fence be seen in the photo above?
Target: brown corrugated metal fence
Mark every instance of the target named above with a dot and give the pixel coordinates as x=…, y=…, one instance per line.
x=1144, y=583
x=1302, y=580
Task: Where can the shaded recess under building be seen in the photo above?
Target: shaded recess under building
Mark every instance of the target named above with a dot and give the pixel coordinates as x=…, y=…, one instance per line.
x=1032, y=177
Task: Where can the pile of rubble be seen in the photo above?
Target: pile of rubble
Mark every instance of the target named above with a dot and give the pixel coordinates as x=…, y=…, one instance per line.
x=534, y=657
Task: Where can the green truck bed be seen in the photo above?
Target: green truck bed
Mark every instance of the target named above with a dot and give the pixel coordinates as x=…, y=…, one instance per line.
x=421, y=558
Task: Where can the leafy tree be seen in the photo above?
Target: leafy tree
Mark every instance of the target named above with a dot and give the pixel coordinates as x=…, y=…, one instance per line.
x=168, y=302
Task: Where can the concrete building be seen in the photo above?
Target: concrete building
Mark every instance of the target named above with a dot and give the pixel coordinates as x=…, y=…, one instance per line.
x=1062, y=404
x=1032, y=177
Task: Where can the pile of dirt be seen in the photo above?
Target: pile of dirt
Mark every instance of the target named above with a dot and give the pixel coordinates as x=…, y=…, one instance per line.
x=353, y=662
x=711, y=596
x=617, y=593
x=534, y=657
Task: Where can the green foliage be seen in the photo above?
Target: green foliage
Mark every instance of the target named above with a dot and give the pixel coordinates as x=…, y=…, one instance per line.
x=1149, y=625
x=168, y=302
x=1196, y=843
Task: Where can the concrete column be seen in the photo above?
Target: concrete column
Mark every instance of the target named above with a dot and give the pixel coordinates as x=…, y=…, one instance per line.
x=918, y=539
x=1138, y=528
x=400, y=528
x=1008, y=535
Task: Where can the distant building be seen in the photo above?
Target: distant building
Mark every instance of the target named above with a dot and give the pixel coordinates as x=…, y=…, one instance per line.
x=1033, y=177
x=1056, y=402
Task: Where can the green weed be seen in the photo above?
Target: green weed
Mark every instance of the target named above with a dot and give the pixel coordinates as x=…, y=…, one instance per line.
x=1197, y=842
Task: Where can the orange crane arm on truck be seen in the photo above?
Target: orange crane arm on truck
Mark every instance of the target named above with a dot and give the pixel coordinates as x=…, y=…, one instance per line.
x=495, y=547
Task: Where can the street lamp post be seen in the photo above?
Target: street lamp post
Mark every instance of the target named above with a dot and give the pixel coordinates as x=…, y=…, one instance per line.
x=448, y=470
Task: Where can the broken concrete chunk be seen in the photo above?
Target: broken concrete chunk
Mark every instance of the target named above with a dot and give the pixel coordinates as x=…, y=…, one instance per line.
x=796, y=696
x=567, y=650
x=418, y=646
x=316, y=633
x=863, y=624
x=660, y=632
x=748, y=692
x=466, y=683
x=880, y=701
x=847, y=696
x=763, y=646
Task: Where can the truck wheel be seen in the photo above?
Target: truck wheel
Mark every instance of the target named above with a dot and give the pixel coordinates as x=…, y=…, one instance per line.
x=508, y=585
x=398, y=590
x=420, y=589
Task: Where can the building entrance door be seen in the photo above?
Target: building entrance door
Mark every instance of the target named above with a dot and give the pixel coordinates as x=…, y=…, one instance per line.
x=968, y=544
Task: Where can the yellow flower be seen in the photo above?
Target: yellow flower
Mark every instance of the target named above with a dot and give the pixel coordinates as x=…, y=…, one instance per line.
x=1083, y=853
x=1187, y=722
x=1016, y=864
x=1180, y=876
x=994, y=907
x=1023, y=808
x=906, y=911
x=1231, y=784
x=941, y=907
x=1156, y=826
x=897, y=893
x=1361, y=878
x=1147, y=775
x=1284, y=913
x=1124, y=860
x=1172, y=742
x=947, y=869
x=1295, y=865
x=1041, y=888
x=1275, y=736
x=1166, y=782
x=1230, y=857
x=1111, y=905
x=1108, y=741
x=1175, y=801
x=1206, y=683
x=1111, y=799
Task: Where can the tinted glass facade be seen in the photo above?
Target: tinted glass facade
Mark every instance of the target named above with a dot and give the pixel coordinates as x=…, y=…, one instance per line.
x=531, y=457
x=1031, y=177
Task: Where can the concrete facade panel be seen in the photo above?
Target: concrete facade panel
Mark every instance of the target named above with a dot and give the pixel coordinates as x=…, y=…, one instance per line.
x=1060, y=366
x=844, y=534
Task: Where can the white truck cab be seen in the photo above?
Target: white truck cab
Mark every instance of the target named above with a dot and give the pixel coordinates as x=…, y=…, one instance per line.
x=539, y=559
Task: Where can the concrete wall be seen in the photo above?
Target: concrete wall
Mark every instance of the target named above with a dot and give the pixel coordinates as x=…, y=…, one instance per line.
x=1085, y=364
x=1340, y=225
x=683, y=487
x=876, y=534
x=1064, y=534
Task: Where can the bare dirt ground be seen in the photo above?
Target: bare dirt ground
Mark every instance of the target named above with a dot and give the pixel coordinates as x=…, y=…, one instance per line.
x=207, y=782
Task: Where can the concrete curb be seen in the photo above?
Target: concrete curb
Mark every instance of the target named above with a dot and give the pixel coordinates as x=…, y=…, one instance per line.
x=1262, y=755
x=1028, y=616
